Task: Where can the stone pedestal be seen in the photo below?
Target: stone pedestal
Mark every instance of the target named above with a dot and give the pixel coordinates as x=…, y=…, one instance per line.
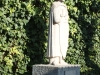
x=56, y=70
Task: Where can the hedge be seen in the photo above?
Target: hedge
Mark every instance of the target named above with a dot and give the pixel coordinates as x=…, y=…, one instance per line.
x=24, y=33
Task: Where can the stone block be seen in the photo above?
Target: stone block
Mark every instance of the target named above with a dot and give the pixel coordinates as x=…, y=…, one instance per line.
x=55, y=69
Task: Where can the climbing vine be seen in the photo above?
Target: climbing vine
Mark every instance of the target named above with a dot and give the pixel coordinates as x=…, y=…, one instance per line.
x=24, y=33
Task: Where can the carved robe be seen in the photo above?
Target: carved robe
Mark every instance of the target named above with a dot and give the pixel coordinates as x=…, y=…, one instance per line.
x=58, y=31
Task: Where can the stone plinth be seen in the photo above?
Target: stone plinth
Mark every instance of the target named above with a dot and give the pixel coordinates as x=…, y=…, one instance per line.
x=55, y=70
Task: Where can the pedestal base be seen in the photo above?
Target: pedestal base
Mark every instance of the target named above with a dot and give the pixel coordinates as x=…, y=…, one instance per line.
x=56, y=70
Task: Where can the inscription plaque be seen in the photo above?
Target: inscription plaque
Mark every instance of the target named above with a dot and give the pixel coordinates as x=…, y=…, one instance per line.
x=71, y=72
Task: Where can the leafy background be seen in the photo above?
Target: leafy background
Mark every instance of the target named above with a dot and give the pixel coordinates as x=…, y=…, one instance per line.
x=24, y=33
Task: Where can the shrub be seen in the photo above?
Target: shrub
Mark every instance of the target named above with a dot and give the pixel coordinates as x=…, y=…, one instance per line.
x=24, y=28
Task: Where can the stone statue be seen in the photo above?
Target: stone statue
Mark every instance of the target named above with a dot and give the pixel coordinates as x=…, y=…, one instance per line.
x=58, y=33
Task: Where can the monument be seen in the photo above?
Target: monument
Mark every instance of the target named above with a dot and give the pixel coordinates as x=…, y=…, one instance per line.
x=57, y=44
x=58, y=33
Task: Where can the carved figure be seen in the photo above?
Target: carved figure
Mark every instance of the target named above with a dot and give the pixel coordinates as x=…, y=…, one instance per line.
x=58, y=33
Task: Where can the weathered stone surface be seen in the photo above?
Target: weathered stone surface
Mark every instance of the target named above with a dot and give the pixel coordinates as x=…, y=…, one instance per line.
x=56, y=70
x=58, y=33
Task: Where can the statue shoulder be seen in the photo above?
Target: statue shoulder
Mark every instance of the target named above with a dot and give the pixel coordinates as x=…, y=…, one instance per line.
x=56, y=4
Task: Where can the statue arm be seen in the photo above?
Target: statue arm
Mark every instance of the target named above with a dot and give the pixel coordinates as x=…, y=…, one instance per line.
x=56, y=15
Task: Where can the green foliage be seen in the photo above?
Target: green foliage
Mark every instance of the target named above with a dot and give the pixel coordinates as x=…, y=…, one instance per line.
x=14, y=15
x=24, y=28
x=84, y=39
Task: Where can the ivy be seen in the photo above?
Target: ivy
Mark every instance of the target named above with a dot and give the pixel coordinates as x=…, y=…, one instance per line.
x=24, y=33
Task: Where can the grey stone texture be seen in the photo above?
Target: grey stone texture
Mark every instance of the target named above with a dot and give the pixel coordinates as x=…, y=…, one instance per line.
x=55, y=69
